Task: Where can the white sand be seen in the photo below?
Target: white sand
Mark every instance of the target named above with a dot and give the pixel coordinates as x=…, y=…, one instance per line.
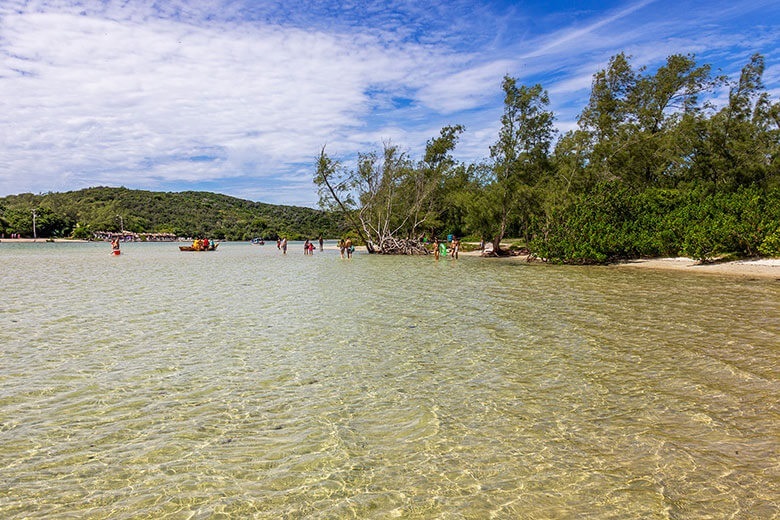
x=763, y=268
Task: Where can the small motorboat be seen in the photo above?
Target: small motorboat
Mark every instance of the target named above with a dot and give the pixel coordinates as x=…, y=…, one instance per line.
x=258, y=241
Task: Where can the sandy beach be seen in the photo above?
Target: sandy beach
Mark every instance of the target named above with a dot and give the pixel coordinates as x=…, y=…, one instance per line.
x=765, y=268
x=768, y=268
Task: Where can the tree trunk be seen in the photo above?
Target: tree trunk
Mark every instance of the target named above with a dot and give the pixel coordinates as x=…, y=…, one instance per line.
x=497, y=239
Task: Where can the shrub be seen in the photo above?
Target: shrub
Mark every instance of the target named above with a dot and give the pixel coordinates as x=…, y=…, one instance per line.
x=771, y=244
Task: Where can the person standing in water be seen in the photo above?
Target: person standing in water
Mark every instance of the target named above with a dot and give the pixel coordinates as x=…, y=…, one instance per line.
x=284, y=245
x=348, y=247
x=455, y=247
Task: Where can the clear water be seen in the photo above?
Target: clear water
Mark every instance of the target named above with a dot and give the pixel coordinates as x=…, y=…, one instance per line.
x=247, y=384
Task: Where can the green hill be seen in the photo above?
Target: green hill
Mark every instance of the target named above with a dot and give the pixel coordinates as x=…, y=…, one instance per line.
x=185, y=214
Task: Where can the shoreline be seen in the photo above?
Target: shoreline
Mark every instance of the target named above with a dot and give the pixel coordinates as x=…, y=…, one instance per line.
x=43, y=240
x=765, y=268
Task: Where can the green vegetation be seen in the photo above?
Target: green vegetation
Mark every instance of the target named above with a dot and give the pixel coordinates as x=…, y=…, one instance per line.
x=391, y=202
x=649, y=171
x=79, y=214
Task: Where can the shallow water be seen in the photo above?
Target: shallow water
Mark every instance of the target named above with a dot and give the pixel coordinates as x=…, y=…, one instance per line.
x=247, y=384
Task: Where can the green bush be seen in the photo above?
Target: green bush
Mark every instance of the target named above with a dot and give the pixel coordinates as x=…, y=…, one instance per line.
x=770, y=246
x=612, y=223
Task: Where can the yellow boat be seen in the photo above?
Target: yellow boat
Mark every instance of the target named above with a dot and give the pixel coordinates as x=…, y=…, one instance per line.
x=212, y=247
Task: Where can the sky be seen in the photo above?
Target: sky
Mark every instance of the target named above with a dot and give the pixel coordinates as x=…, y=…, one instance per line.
x=240, y=96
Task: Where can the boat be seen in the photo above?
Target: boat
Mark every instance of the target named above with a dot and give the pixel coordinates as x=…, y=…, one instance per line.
x=212, y=247
x=258, y=241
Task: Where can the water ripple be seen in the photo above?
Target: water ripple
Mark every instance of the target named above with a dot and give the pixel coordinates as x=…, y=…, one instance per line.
x=249, y=384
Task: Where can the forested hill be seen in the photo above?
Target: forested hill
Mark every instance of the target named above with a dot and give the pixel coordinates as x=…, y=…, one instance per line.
x=185, y=214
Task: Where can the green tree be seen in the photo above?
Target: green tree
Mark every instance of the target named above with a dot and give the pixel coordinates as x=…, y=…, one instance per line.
x=520, y=158
x=18, y=220
x=740, y=144
x=389, y=200
x=605, y=115
x=439, y=172
x=335, y=187
x=633, y=119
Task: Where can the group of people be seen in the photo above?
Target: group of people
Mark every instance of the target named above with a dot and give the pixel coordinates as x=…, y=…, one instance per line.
x=346, y=247
x=202, y=244
x=440, y=248
x=308, y=245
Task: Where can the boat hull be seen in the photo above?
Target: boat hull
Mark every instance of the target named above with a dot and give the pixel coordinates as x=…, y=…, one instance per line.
x=190, y=248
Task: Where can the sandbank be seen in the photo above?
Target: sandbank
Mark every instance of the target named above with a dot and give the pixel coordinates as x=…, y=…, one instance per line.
x=765, y=268
x=768, y=268
x=38, y=240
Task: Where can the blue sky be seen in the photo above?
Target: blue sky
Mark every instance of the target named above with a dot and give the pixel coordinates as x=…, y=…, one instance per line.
x=239, y=96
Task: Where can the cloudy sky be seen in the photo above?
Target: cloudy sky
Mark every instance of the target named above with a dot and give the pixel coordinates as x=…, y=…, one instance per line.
x=239, y=96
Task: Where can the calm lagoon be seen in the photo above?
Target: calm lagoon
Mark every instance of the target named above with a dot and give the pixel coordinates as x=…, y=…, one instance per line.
x=243, y=383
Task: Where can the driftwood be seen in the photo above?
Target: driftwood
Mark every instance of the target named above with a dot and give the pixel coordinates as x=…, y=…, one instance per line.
x=401, y=246
x=523, y=251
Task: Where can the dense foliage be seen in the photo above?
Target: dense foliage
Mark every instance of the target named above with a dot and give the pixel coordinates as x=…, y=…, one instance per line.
x=612, y=222
x=650, y=170
x=185, y=214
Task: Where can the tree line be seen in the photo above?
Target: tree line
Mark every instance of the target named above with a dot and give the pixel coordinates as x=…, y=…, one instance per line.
x=79, y=214
x=653, y=168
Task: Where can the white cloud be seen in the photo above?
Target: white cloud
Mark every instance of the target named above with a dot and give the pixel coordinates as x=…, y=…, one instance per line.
x=576, y=36
x=466, y=89
x=168, y=101
x=242, y=95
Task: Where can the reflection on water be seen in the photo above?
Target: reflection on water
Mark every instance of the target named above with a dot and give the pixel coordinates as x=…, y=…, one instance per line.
x=244, y=383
